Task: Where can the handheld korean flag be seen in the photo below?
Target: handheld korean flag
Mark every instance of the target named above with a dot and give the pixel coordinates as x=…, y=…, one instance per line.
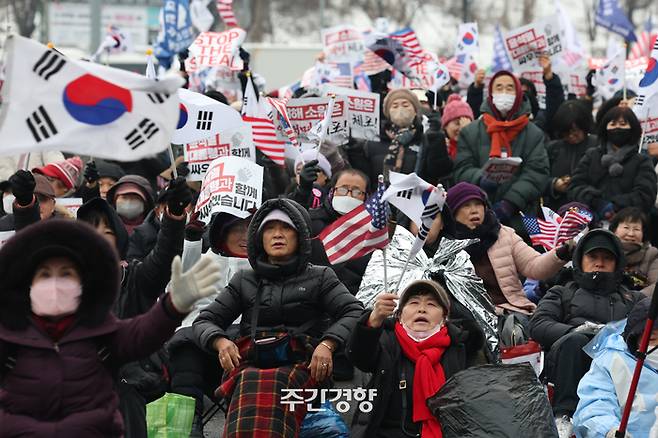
x=610, y=78
x=201, y=117
x=467, y=42
x=648, y=85
x=51, y=102
x=115, y=41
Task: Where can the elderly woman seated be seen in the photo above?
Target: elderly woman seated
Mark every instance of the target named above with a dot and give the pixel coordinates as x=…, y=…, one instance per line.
x=410, y=353
x=285, y=342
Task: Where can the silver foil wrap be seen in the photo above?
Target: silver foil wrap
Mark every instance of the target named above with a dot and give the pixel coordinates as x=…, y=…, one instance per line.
x=450, y=262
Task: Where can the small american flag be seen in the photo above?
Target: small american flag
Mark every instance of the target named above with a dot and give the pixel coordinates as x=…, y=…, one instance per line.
x=642, y=47
x=284, y=121
x=359, y=232
x=409, y=41
x=225, y=9
x=541, y=232
x=373, y=64
x=338, y=74
x=575, y=220
x=262, y=127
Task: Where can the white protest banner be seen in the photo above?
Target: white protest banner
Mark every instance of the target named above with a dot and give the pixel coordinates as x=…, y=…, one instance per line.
x=71, y=204
x=537, y=78
x=233, y=185
x=5, y=236
x=217, y=49
x=201, y=117
x=363, y=111
x=525, y=44
x=343, y=44
x=307, y=112
x=648, y=115
x=235, y=142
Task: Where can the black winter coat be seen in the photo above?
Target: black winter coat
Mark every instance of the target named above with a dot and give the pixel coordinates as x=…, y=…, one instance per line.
x=349, y=273
x=635, y=187
x=377, y=351
x=435, y=166
x=565, y=307
x=290, y=295
x=564, y=159
x=143, y=238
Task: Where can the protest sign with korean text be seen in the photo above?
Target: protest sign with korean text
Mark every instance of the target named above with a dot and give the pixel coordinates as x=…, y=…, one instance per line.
x=307, y=112
x=217, y=49
x=236, y=142
x=525, y=44
x=363, y=111
x=233, y=185
x=343, y=44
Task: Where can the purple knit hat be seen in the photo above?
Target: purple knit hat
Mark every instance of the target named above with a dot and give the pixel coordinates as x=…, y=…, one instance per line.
x=454, y=109
x=461, y=193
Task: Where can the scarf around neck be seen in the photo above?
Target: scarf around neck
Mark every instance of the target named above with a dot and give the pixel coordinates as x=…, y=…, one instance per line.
x=503, y=132
x=612, y=159
x=429, y=376
x=487, y=233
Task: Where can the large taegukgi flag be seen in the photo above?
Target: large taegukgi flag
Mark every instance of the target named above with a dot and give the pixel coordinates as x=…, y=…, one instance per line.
x=51, y=102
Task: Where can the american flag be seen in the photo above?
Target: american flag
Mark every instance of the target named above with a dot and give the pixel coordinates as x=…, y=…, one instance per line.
x=642, y=47
x=455, y=66
x=284, y=121
x=501, y=59
x=553, y=233
x=373, y=64
x=359, y=232
x=262, y=127
x=407, y=37
x=338, y=74
x=225, y=9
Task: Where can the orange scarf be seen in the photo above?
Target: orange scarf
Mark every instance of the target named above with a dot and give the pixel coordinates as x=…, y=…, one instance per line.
x=503, y=132
x=428, y=374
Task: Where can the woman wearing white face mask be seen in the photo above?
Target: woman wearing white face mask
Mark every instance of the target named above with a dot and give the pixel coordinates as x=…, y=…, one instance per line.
x=132, y=198
x=504, y=130
x=604, y=388
x=410, y=353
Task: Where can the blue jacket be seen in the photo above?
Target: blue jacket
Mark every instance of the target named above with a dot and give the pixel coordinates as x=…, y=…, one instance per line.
x=604, y=389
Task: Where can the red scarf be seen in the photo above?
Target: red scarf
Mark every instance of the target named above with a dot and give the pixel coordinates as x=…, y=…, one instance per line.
x=54, y=329
x=452, y=148
x=503, y=132
x=428, y=374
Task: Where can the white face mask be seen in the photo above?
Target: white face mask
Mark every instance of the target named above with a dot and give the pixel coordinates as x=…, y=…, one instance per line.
x=503, y=102
x=345, y=204
x=421, y=336
x=130, y=208
x=402, y=117
x=652, y=359
x=8, y=204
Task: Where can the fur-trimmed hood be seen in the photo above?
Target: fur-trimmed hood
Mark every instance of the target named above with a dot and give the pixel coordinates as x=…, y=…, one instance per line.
x=97, y=260
x=256, y=253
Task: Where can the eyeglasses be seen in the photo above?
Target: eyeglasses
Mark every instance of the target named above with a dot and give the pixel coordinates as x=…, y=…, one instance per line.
x=343, y=191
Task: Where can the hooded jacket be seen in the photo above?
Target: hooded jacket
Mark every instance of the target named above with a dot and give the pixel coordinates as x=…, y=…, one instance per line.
x=594, y=297
x=290, y=295
x=142, y=281
x=64, y=388
x=144, y=237
x=592, y=185
x=474, y=145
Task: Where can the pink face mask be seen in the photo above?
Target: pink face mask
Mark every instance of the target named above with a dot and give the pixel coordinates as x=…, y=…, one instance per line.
x=55, y=296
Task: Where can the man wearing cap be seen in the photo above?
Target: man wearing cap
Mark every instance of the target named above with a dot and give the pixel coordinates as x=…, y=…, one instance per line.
x=568, y=316
x=34, y=201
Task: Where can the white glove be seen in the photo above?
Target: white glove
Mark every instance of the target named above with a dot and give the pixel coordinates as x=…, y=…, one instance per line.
x=611, y=433
x=198, y=282
x=589, y=327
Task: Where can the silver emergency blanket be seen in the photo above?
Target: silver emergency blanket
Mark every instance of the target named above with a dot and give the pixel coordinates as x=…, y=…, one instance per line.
x=450, y=262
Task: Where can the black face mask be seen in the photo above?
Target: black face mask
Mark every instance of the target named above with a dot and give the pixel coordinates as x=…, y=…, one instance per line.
x=619, y=136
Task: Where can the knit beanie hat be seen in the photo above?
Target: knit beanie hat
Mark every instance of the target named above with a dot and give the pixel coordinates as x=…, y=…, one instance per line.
x=401, y=93
x=313, y=154
x=67, y=171
x=461, y=193
x=454, y=109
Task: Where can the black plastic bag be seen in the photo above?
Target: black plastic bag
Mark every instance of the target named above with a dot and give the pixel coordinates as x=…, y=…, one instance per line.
x=494, y=401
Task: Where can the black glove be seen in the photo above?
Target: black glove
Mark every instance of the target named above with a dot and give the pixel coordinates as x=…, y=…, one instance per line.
x=194, y=228
x=565, y=251
x=308, y=175
x=590, y=87
x=179, y=196
x=22, y=186
x=91, y=172
x=405, y=137
x=244, y=55
x=183, y=169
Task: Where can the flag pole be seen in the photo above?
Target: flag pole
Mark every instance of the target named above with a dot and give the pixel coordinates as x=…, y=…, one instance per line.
x=173, y=162
x=380, y=180
x=624, y=73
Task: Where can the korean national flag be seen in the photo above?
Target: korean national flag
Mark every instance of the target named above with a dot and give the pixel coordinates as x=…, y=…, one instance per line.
x=202, y=117
x=51, y=102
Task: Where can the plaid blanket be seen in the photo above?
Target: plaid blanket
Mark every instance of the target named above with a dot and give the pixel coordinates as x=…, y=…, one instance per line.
x=255, y=408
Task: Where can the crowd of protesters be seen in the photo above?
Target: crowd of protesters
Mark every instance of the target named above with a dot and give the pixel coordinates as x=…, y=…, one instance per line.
x=94, y=307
